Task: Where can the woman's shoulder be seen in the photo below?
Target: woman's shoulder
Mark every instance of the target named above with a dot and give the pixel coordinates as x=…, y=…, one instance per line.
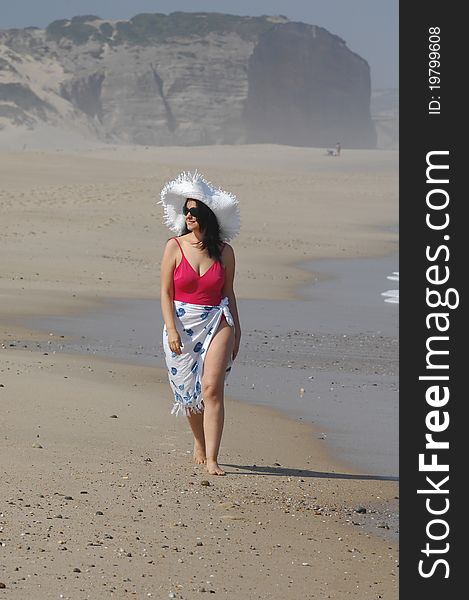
x=172, y=246
x=181, y=240
x=227, y=255
x=225, y=247
x=176, y=239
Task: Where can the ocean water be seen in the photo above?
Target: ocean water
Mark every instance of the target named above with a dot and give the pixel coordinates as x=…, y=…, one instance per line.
x=356, y=289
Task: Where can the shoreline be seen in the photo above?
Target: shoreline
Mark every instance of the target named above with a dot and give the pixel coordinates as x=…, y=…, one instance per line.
x=337, y=420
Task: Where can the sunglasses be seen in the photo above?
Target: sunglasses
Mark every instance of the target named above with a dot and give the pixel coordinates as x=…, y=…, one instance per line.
x=195, y=211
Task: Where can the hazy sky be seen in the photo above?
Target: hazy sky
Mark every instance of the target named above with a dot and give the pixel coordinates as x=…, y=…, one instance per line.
x=370, y=27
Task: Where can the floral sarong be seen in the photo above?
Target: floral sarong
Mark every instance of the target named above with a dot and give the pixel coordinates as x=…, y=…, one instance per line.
x=196, y=325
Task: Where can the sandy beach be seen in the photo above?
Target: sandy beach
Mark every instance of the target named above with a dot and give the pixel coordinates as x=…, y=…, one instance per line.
x=99, y=497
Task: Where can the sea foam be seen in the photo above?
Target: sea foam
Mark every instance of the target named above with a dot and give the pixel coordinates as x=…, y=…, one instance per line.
x=392, y=296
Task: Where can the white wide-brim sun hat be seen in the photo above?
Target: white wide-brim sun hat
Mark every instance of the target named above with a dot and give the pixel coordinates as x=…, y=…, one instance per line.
x=192, y=185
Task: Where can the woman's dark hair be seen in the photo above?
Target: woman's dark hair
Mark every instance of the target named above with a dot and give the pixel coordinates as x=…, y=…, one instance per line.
x=209, y=228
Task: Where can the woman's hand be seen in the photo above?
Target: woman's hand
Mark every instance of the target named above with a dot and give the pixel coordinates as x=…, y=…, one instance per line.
x=237, y=341
x=174, y=341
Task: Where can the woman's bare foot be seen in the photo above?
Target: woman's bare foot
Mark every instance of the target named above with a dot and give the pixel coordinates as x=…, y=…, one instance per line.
x=199, y=454
x=214, y=468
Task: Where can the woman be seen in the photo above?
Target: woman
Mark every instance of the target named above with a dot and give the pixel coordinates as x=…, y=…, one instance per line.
x=202, y=333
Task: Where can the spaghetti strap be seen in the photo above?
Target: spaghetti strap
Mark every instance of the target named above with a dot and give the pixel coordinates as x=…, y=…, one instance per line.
x=180, y=247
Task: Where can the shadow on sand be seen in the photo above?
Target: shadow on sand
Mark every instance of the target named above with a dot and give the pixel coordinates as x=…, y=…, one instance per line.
x=281, y=471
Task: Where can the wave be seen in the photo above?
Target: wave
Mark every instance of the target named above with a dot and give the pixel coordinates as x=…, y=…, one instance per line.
x=392, y=296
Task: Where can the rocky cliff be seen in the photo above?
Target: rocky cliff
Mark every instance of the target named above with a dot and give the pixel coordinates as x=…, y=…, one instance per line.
x=187, y=79
x=306, y=88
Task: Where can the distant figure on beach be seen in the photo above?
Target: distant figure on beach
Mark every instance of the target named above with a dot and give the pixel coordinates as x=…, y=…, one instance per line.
x=334, y=151
x=201, y=333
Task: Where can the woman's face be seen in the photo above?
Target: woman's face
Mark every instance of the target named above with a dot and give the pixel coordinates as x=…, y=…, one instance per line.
x=191, y=222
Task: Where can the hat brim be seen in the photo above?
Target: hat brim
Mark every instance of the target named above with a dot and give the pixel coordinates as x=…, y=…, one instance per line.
x=224, y=205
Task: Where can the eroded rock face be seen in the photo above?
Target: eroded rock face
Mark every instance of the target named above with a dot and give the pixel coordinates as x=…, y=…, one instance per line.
x=187, y=79
x=306, y=88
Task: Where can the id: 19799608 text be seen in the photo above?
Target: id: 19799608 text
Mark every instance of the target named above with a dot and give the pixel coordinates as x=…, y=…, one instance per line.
x=434, y=73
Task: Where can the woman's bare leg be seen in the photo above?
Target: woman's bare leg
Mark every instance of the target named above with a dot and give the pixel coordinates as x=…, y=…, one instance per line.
x=196, y=421
x=213, y=387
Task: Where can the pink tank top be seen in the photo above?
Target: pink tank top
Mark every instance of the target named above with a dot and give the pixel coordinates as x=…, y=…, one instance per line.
x=198, y=289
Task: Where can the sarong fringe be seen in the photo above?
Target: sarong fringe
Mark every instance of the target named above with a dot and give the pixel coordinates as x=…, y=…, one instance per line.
x=179, y=408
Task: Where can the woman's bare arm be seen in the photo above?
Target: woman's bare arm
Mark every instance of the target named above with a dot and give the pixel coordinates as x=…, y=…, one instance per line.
x=168, y=264
x=228, y=291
